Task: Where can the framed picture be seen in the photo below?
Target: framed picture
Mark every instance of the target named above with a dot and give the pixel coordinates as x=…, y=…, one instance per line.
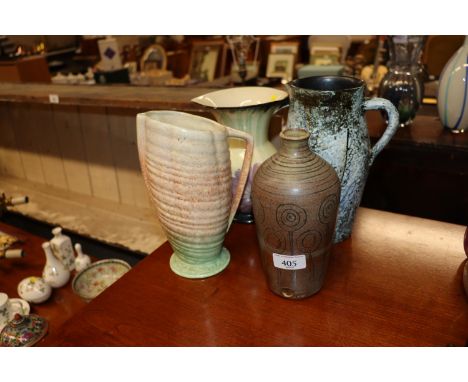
x=280, y=65
x=285, y=47
x=110, y=56
x=154, y=57
x=208, y=59
x=325, y=55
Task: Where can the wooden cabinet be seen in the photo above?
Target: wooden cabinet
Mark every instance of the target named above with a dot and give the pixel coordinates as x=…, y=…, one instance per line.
x=29, y=69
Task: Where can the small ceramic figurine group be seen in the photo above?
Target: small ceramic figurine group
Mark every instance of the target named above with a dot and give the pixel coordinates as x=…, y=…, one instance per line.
x=60, y=262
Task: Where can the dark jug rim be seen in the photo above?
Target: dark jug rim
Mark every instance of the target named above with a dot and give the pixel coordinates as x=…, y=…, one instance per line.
x=327, y=83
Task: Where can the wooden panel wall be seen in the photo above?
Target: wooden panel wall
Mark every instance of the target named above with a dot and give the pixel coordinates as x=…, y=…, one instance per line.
x=87, y=150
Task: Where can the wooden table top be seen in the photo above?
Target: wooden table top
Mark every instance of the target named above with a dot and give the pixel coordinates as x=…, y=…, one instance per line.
x=62, y=304
x=396, y=282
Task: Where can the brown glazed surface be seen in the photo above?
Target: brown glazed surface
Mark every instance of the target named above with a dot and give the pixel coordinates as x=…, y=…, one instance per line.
x=295, y=202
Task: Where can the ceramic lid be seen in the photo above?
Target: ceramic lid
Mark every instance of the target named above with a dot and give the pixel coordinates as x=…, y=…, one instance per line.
x=34, y=289
x=23, y=331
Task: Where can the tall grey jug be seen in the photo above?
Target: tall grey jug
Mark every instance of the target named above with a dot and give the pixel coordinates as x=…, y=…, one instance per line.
x=332, y=109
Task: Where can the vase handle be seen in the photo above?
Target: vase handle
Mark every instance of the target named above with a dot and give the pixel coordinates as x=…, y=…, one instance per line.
x=393, y=121
x=245, y=169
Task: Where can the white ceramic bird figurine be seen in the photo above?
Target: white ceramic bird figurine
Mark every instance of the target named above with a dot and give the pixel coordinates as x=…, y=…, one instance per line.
x=82, y=261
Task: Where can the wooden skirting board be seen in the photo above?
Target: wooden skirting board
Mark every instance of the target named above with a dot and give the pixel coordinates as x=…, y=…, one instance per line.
x=131, y=227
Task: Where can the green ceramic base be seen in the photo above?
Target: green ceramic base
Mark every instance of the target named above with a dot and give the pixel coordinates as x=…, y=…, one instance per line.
x=201, y=270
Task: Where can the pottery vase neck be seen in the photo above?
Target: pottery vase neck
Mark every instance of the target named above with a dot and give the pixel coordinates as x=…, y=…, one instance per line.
x=50, y=257
x=254, y=120
x=57, y=231
x=405, y=52
x=294, y=143
x=79, y=250
x=326, y=91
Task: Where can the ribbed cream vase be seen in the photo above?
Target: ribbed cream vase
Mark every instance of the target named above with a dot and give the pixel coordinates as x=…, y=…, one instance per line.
x=187, y=170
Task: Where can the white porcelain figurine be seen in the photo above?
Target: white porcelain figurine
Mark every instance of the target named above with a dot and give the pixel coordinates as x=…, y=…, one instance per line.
x=62, y=248
x=55, y=274
x=82, y=261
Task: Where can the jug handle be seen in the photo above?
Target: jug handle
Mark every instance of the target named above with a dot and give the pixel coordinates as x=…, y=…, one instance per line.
x=393, y=122
x=244, y=174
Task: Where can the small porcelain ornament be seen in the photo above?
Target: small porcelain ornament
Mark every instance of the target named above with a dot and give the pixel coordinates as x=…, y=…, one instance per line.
x=55, y=273
x=34, y=289
x=82, y=261
x=62, y=248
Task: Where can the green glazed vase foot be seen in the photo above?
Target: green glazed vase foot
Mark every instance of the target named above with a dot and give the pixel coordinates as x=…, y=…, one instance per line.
x=200, y=270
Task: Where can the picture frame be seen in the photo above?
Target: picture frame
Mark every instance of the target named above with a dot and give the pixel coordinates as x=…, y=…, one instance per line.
x=280, y=65
x=154, y=57
x=287, y=47
x=109, y=53
x=325, y=55
x=207, y=60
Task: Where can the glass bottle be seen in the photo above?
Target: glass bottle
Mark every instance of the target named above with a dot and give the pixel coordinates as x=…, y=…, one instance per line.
x=402, y=84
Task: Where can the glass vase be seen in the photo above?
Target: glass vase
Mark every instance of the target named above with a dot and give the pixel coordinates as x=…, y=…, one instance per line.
x=402, y=84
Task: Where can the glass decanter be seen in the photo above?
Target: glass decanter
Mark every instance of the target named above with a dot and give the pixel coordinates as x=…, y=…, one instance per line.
x=402, y=85
x=240, y=46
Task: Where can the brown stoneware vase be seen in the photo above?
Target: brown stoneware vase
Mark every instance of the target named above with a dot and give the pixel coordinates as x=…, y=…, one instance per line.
x=295, y=202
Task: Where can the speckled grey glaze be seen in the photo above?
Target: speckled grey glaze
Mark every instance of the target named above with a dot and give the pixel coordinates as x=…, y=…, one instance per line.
x=332, y=109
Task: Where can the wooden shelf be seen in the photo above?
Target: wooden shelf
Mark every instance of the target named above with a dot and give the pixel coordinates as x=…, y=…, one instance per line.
x=135, y=97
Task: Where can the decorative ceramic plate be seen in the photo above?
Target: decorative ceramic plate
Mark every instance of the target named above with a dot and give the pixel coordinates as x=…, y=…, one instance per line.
x=93, y=280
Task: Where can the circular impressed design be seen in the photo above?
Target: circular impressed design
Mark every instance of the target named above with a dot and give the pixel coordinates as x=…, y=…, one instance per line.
x=328, y=208
x=274, y=239
x=290, y=217
x=309, y=241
